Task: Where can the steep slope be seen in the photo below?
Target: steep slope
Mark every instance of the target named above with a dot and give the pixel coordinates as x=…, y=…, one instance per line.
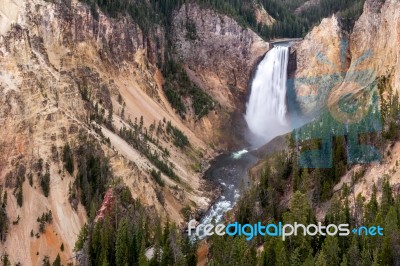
x=378, y=32
x=219, y=58
x=74, y=80
x=318, y=59
x=330, y=59
x=234, y=51
x=348, y=82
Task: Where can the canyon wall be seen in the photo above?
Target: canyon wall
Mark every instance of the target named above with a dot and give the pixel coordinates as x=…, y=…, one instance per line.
x=319, y=66
x=330, y=59
x=60, y=61
x=220, y=56
x=327, y=53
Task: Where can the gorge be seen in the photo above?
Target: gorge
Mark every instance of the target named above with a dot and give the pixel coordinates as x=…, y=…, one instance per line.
x=266, y=117
x=119, y=117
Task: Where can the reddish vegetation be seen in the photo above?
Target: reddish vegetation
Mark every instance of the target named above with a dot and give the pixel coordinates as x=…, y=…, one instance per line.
x=106, y=206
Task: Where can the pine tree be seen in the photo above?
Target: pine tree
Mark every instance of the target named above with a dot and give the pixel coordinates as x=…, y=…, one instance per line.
x=321, y=259
x=110, y=115
x=344, y=261
x=20, y=197
x=281, y=254
x=45, y=183
x=46, y=261
x=57, y=261
x=6, y=261
x=354, y=252
x=107, y=241
x=5, y=199
x=68, y=159
x=387, y=198
x=295, y=258
x=82, y=237
x=372, y=207
x=331, y=250
x=299, y=209
x=268, y=256
x=391, y=245
x=121, y=244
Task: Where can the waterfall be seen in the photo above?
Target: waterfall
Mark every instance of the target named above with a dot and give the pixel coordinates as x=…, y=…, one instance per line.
x=266, y=112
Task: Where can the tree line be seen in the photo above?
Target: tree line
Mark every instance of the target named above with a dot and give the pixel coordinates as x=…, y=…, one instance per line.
x=312, y=188
x=319, y=250
x=131, y=235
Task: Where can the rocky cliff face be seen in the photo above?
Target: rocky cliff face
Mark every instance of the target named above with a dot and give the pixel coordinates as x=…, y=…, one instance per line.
x=329, y=52
x=219, y=55
x=330, y=59
x=378, y=31
x=49, y=55
x=377, y=34
x=319, y=65
x=262, y=16
x=62, y=65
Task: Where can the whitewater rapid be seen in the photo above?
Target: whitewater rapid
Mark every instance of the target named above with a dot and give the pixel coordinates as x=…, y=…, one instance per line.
x=230, y=171
x=266, y=116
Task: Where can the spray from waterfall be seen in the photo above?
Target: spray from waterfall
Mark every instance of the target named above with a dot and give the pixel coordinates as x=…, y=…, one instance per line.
x=266, y=113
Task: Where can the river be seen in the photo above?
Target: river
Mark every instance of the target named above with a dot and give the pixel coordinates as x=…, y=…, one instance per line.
x=266, y=117
x=230, y=171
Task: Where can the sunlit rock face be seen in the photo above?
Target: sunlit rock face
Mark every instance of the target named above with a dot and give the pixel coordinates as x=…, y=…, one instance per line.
x=328, y=53
x=49, y=52
x=319, y=65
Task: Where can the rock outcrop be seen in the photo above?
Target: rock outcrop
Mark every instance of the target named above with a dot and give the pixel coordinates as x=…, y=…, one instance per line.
x=378, y=31
x=370, y=51
x=60, y=61
x=321, y=61
x=263, y=17
x=220, y=55
x=328, y=52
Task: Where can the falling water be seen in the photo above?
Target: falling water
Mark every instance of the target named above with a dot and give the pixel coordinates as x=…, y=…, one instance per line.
x=266, y=117
x=266, y=110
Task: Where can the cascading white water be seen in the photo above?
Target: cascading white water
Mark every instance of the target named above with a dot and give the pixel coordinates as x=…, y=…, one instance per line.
x=266, y=117
x=266, y=110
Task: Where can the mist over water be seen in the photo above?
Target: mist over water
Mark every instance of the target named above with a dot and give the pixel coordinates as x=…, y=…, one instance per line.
x=266, y=110
x=267, y=117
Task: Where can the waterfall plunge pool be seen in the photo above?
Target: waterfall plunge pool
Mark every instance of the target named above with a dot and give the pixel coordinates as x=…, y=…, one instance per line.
x=266, y=117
